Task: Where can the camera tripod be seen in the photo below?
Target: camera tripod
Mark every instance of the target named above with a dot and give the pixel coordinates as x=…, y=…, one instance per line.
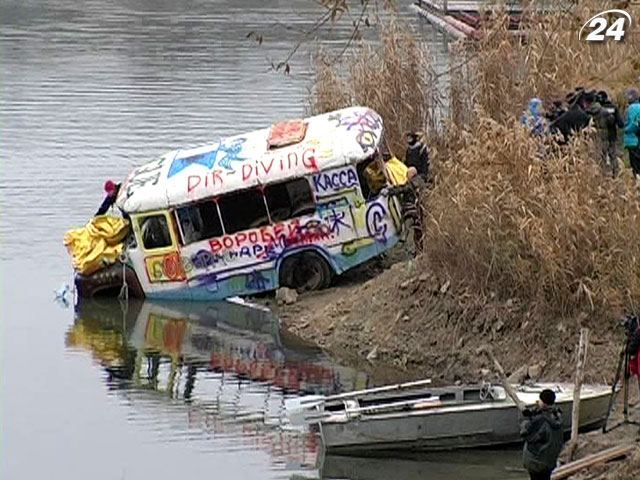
x=622, y=372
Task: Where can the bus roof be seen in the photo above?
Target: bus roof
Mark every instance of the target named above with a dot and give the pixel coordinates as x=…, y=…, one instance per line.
x=285, y=150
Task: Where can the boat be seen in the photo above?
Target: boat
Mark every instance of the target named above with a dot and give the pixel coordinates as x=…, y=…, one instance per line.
x=291, y=205
x=415, y=417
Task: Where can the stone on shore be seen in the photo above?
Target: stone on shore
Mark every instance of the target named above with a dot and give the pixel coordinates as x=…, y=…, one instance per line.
x=286, y=296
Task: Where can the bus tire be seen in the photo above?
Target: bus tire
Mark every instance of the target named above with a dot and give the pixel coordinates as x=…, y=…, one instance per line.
x=305, y=271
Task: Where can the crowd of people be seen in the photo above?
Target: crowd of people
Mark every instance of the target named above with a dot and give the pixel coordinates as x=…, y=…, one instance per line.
x=581, y=108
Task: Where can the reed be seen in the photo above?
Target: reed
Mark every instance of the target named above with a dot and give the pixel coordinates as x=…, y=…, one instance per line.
x=394, y=77
x=509, y=215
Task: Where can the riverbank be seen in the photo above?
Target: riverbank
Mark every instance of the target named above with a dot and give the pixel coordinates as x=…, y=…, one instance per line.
x=410, y=320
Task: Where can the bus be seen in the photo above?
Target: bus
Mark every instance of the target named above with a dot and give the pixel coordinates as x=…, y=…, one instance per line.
x=285, y=206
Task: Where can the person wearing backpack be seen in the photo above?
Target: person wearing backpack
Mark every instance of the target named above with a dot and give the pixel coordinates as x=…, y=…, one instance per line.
x=632, y=131
x=542, y=432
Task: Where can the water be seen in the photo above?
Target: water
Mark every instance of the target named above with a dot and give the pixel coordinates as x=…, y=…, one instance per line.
x=88, y=90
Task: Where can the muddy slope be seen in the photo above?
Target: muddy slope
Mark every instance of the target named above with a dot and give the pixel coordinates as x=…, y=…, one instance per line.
x=420, y=325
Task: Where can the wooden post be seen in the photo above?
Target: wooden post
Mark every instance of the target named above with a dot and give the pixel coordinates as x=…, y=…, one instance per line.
x=577, y=387
x=503, y=376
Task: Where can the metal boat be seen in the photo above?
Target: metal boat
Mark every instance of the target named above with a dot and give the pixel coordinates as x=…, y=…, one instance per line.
x=412, y=417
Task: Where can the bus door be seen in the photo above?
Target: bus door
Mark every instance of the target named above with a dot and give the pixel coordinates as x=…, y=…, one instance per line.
x=339, y=203
x=156, y=256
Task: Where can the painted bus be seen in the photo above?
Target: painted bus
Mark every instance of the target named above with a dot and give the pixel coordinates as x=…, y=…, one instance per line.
x=287, y=205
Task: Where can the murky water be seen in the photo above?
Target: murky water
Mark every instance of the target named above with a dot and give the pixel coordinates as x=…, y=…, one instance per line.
x=90, y=89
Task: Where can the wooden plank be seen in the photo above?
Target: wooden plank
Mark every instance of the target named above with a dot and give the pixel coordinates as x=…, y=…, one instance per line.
x=583, y=347
x=462, y=26
x=601, y=457
x=440, y=24
x=511, y=6
x=359, y=393
x=503, y=377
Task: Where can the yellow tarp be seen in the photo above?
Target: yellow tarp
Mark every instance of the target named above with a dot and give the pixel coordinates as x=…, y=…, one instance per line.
x=396, y=171
x=97, y=244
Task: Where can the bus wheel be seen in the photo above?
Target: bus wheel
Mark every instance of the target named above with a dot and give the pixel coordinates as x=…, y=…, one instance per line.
x=305, y=271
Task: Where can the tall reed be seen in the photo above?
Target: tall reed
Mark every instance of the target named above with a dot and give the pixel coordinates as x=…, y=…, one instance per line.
x=509, y=215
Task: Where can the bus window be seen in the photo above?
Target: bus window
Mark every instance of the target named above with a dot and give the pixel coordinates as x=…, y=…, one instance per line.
x=243, y=210
x=155, y=232
x=289, y=199
x=199, y=222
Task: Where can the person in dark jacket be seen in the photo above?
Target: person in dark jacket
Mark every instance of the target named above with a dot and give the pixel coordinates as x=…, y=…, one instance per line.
x=556, y=111
x=609, y=121
x=417, y=155
x=576, y=117
x=112, y=189
x=543, y=436
x=410, y=195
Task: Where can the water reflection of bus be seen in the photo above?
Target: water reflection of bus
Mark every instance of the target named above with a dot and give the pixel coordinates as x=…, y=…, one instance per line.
x=226, y=364
x=220, y=337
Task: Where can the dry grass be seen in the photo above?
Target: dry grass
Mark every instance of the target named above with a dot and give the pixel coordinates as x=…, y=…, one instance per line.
x=509, y=215
x=393, y=78
x=515, y=218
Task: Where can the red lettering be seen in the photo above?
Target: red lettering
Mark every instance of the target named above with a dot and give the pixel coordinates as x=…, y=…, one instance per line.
x=278, y=229
x=227, y=242
x=253, y=237
x=247, y=170
x=190, y=185
x=265, y=235
x=216, y=176
x=295, y=160
x=265, y=168
x=240, y=238
x=293, y=227
x=309, y=159
x=215, y=245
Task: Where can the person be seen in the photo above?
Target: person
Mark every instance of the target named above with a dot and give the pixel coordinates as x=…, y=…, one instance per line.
x=533, y=118
x=417, y=155
x=542, y=432
x=556, y=111
x=609, y=121
x=632, y=131
x=633, y=349
x=112, y=189
x=410, y=194
x=576, y=117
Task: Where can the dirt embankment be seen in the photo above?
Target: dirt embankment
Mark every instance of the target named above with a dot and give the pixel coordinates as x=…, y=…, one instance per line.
x=411, y=322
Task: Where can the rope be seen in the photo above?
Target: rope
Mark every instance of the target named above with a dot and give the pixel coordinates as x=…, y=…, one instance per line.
x=124, y=290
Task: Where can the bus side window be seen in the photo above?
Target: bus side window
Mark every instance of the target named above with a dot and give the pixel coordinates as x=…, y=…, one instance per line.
x=289, y=199
x=199, y=222
x=155, y=232
x=243, y=210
